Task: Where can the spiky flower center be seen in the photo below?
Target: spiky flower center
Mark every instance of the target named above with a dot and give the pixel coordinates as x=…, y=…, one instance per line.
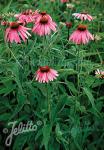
x=102, y=76
x=14, y=25
x=27, y=12
x=43, y=13
x=82, y=27
x=85, y=13
x=44, y=69
x=44, y=20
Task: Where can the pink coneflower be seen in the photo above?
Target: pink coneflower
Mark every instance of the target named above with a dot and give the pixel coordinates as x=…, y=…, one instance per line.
x=27, y=16
x=64, y=1
x=81, y=35
x=44, y=24
x=4, y=23
x=15, y=32
x=46, y=74
x=99, y=73
x=83, y=16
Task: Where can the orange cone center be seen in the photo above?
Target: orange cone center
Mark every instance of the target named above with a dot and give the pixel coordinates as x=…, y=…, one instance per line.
x=44, y=69
x=14, y=25
x=82, y=27
x=44, y=19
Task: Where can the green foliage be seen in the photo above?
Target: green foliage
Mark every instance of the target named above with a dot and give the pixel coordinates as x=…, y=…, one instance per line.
x=71, y=107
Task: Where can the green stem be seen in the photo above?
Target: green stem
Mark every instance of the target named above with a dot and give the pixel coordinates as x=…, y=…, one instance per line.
x=78, y=73
x=68, y=34
x=48, y=102
x=15, y=58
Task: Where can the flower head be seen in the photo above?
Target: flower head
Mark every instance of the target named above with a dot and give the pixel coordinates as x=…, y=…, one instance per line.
x=81, y=35
x=44, y=24
x=68, y=25
x=27, y=16
x=70, y=5
x=45, y=74
x=97, y=37
x=4, y=23
x=83, y=16
x=99, y=73
x=15, y=32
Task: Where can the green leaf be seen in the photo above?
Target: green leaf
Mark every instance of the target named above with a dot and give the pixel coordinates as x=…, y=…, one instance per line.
x=21, y=101
x=72, y=88
x=20, y=141
x=91, y=99
x=5, y=116
x=46, y=135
